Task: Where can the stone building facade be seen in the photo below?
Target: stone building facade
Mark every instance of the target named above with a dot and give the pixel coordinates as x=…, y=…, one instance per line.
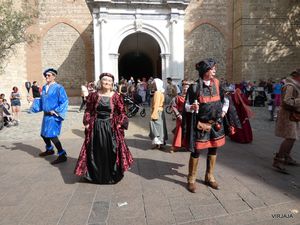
x=266, y=40
x=250, y=40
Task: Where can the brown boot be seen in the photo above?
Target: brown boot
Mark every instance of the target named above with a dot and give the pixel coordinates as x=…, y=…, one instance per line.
x=278, y=163
x=193, y=168
x=209, y=177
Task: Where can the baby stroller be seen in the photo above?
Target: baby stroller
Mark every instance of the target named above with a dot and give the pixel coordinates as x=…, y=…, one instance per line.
x=259, y=97
x=133, y=107
x=7, y=118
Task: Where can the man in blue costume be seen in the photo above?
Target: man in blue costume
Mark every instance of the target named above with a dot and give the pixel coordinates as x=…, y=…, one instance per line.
x=54, y=103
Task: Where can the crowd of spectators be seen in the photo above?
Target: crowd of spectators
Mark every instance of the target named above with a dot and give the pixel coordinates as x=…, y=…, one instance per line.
x=141, y=90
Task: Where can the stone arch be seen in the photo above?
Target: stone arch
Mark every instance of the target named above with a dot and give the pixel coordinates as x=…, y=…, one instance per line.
x=202, y=42
x=34, y=51
x=212, y=23
x=152, y=31
x=82, y=31
x=139, y=56
x=146, y=28
x=55, y=22
x=67, y=53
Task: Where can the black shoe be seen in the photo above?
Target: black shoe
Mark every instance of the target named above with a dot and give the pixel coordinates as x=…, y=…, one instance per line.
x=60, y=159
x=46, y=153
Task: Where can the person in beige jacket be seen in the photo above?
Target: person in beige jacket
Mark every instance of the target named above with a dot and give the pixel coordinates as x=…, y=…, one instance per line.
x=285, y=127
x=158, y=128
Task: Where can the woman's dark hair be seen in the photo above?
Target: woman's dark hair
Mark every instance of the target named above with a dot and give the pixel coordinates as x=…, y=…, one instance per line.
x=15, y=89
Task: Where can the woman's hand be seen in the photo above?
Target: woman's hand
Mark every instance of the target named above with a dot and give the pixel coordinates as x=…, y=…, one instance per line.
x=30, y=98
x=86, y=126
x=154, y=118
x=118, y=126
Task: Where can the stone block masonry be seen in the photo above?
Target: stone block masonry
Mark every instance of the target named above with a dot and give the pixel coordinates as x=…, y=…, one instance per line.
x=250, y=40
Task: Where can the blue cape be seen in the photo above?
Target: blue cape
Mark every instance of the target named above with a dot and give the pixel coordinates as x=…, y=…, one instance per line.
x=55, y=99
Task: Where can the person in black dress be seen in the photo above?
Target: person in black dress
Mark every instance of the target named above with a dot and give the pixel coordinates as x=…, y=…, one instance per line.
x=104, y=156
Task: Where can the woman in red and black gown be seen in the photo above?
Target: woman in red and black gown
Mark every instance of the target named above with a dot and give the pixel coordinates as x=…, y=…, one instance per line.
x=243, y=134
x=104, y=156
x=177, y=107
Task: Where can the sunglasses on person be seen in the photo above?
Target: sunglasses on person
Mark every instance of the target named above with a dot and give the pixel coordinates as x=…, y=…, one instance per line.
x=48, y=75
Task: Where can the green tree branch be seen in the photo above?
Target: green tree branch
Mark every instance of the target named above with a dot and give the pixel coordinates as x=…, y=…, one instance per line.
x=13, y=26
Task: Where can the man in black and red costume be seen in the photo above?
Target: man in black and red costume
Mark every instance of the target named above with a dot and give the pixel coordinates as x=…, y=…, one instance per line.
x=203, y=126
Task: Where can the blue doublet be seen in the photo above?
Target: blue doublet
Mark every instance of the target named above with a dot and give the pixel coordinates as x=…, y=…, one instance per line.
x=55, y=99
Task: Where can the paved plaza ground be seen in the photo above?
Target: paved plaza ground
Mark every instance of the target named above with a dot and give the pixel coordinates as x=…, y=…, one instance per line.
x=33, y=192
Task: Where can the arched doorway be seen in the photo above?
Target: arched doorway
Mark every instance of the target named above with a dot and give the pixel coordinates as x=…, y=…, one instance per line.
x=140, y=56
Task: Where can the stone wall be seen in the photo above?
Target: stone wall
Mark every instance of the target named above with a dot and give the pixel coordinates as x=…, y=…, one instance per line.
x=65, y=41
x=65, y=32
x=14, y=74
x=266, y=38
x=74, y=10
x=207, y=34
x=205, y=42
x=250, y=39
x=66, y=53
x=208, y=10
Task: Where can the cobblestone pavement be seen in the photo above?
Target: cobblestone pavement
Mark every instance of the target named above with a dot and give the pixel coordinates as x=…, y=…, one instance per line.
x=32, y=191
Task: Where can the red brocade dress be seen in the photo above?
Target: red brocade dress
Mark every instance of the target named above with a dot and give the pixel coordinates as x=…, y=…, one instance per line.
x=104, y=155
x=243, y=134
x=177, y=140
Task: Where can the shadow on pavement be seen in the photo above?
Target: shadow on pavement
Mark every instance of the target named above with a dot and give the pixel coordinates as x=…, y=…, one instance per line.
x=139, y=144
x=255, y=161
x=144, y=145
x=249, y=164
x=78, y=132
x=141, y=136
x=66, y=169
x=154, y=169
